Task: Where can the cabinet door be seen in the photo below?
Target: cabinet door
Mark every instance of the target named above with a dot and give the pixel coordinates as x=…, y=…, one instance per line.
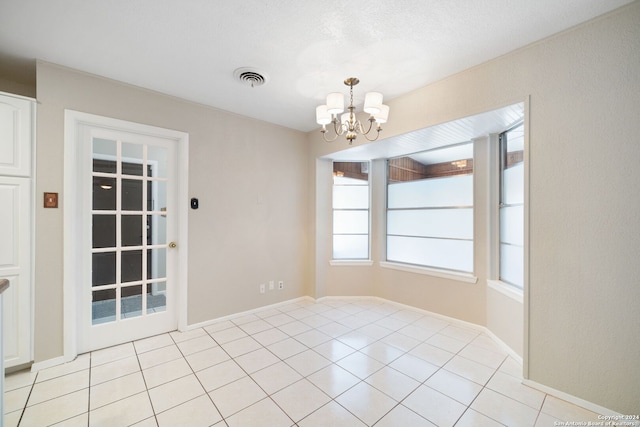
x=16, y=128
x=15, y=265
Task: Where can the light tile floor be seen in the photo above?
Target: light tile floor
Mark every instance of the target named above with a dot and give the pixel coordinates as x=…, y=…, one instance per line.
x=342, y=362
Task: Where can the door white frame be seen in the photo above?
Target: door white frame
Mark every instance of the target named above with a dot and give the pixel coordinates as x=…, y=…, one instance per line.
x=73, y=213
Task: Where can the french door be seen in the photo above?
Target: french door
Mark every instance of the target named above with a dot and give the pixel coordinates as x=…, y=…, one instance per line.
x=127, y=242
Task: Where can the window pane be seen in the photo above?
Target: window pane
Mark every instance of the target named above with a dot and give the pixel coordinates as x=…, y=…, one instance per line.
x=131, y=195
x=157, y=263
x=350, y=201
x=350, y=247
x=103, y=268
x=156, y=297
x=440, y=253
x=351, y=197
x=511, y=268
x=131, y=301
x=131, y=159
x=157, y=198
x=453, y=223
x=350, y=173
x=437, y=192
x=512, y=225
x=513, y=185
x=104, y=155
x=131, y=266
x=131, y=230
x=103, y=306
x=104, y=231
x=104, y=194
x=157, y=229
x=351, y=222
x=511, y=209
x=157, y=161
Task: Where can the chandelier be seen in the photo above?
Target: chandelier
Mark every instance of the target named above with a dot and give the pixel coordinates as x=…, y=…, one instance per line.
x=347, y=124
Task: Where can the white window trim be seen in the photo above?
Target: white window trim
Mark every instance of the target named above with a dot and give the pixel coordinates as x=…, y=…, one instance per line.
x=461, y=277
x=351, y=262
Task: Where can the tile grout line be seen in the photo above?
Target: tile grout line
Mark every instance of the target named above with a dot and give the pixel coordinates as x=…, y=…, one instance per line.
x=24, y=408
x=146, y=387
x=89, y=392
x=375, y=339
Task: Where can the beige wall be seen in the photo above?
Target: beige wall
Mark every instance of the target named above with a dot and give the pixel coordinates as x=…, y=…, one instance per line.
x=250, y=177
x=583, y=319
x=583, y=289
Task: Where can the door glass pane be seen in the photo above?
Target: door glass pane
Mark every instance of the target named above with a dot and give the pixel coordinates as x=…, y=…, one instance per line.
x=156, y=297
x=104, y=193
x=131, y=301
x=131, y=195
x=104, y=155
x=104, y=231
x=129, y=181
x=157, y=200
x=104, y=268
x=131, y=159
x=156, y=263
x=131, y=268
x=157, y=230
x=131, y=230
x=157, y=161
x=103, y=306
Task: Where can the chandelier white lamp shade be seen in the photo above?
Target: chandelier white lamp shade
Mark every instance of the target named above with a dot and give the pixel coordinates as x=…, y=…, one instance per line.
x=347, y=124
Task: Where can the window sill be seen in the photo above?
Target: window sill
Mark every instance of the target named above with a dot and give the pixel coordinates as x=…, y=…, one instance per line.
x=461, y=277
x=351, y=262
x=507, y=290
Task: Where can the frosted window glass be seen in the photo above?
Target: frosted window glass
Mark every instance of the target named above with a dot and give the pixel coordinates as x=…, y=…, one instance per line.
x=351, y=197
x=513, y=185
x=512, y=225
x=452, y=223
x=511, y=268
x=350, y=222
x=440, y=253
x=435, y=192
x=350, y=247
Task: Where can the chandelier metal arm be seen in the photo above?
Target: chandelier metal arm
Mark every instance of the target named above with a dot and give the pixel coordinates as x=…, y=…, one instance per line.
x=378, y=129
x=338, y=127
x=324, y=134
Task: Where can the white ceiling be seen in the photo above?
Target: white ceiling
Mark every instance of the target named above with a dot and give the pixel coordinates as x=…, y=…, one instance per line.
x=190, y=48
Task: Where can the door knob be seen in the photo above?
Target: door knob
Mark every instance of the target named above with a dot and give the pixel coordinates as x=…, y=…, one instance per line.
x=172, y=245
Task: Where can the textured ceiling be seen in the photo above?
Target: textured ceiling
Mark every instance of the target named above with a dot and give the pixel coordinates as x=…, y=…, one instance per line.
x=190, y=48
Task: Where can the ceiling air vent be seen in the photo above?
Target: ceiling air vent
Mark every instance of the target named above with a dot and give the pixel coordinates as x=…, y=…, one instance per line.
x=250, y=77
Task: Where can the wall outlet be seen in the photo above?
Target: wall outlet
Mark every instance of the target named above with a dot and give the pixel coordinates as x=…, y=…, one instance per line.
x=262, y=288
x=281, y=284
x=270, y=285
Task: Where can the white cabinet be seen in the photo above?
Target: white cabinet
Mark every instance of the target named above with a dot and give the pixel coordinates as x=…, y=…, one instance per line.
x=16, y=226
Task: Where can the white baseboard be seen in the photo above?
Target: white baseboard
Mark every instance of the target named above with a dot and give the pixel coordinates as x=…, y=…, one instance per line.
x=244, y=313
x=570, y=398
x=38, y=366
x=453, y=320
